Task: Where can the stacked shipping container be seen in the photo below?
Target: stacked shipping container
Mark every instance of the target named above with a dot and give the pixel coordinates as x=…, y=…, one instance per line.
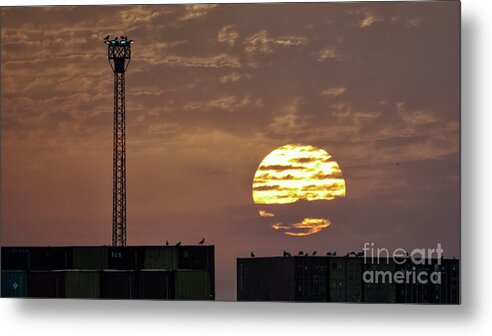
x=339, y=279
x=136, y=272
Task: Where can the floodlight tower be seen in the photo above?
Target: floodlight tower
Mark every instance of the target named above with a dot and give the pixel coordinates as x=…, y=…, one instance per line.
x=119, y=54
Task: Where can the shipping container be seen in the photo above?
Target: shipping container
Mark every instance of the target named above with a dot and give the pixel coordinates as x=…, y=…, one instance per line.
x=14, y=284
x=82, y=284
x=119, y=285
x=353, y=279
x=16, y=258
x=380, y=288
x=311, y=279
x=196, y=257
x=46, y=284
x=51, y=258
x=266, y=279
x=156, y=284
x=90, y=257
x=160, y=257
x=337, y=279
x=125, y=258
x=193, y=285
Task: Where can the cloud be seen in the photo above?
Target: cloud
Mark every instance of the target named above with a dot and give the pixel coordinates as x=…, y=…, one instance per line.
x=328, y=53
x=368, y=18
x=264, y=213
x=288, y=120
x=141, y=14
x=193, y=12
x=263, y=178
x=307, y=227
x=326, y=187
x=217, y=61
x=231, y=77
x=304, y=160
x=333, y=92
x=164, y=129
x=227, y=103
x=227, y=35
x=335, y=173
x=280, y=168
x=261, y=43
x=268, y=188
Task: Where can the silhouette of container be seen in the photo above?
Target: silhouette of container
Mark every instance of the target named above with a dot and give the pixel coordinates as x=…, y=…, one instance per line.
x=337, y=279
x=311, y=276
x=51, y=258
x=119, y=285
x=82, y=284
x=353, y=279
x=193, y=285
x=445, y=292
x=300, y=278
x=196, y=257
x=14, y=283
x=160, y=257
x=156, y=284
x=125, y=258
x=382, y=291
x=90, y=258
x=16, y=258
x=113, y=272
x=266, y=279
x=451, y=282
x=46, y=284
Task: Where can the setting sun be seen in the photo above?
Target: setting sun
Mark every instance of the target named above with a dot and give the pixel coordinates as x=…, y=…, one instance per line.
x=297, y=172
x=294, y=173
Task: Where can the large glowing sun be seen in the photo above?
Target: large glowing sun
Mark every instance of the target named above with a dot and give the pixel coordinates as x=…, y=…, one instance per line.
x=294, y=173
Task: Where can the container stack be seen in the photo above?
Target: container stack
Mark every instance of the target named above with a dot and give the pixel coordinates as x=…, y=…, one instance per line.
x=133, y=272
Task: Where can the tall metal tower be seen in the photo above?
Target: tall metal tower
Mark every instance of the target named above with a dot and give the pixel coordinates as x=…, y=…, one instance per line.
x=119, y=54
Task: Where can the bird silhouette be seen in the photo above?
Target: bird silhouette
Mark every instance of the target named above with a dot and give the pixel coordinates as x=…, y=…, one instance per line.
x=252, y=255
x=328, y=254
x=178, y=243
x=314, y=253
x=286, y=254
x=167, y=243
x=122, y=37
x=202, y=241
x=301, y=253
x=106, y=38
x=306, y=254
x=334, y=254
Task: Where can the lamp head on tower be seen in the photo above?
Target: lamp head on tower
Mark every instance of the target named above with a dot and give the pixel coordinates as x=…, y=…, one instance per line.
x=119, y=52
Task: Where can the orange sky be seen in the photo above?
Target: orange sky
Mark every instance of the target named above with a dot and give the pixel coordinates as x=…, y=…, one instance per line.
x=211, y=90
